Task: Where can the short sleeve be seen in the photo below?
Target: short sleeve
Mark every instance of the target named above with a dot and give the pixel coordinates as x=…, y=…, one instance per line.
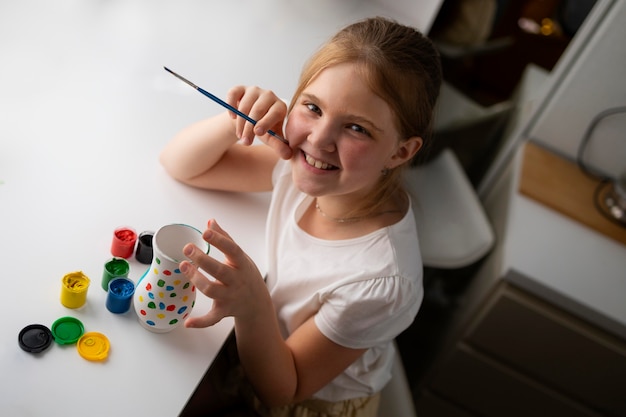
x=366, y=313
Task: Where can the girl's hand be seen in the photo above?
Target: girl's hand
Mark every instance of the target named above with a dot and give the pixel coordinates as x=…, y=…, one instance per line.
x=267, y=109
x=238, y=289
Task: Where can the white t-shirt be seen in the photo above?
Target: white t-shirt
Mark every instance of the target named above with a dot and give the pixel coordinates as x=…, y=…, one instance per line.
x=363, y=292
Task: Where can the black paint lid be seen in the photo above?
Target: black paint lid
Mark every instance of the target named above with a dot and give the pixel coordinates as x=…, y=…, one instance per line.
x=35, y=338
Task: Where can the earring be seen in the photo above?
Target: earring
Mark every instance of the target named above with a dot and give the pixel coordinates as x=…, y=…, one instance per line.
x=384, y=171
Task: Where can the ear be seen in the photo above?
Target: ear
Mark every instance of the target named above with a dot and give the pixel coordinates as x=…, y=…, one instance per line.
x=405, y=151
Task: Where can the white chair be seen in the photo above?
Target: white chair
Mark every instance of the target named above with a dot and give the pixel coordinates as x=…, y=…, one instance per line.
x=454, y=232
x=453, y=229
x=396, y=399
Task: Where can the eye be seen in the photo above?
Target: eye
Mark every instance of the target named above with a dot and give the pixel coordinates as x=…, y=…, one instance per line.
x=359, y=129
x=312, y=107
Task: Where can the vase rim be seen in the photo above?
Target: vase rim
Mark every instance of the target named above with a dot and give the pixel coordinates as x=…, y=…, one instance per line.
x=157, y=249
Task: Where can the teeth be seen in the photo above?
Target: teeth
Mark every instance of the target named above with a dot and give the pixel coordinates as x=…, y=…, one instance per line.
x=317, y=164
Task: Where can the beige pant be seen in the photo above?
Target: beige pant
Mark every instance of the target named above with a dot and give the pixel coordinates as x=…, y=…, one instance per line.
x=356, y=407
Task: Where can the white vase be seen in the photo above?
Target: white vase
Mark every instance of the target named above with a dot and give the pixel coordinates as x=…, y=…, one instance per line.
x=164, y=297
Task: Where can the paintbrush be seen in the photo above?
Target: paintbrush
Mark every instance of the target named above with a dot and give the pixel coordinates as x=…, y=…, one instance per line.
x=224, y=104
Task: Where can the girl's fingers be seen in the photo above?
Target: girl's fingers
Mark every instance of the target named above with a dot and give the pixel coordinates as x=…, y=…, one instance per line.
x=248, y=105
x=203, y=261
x=211, y=288
x=209, y=319
x=219, y=239
x=263, y=106
x=236, y=97
x=273, y=120
x=272, y=117
x=233, y=96
x=213, y=225
x=231, y=281
x=222, y=241
x=283, y=150
x=197, y=278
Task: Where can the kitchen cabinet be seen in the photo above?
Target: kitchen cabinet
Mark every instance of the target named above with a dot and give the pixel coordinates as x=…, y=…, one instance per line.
x=520, y=356
x=541, y=328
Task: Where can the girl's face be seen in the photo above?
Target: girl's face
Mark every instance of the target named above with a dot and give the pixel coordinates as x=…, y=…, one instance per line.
x=343, y=136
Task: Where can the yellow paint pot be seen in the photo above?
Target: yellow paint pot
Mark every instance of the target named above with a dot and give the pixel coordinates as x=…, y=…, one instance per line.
x=74, y=289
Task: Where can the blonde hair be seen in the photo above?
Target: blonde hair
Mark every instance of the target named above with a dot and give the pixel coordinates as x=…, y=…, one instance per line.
x=401, y=66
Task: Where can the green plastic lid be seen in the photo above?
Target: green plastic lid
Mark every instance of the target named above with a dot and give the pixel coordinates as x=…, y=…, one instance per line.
x=67, y=330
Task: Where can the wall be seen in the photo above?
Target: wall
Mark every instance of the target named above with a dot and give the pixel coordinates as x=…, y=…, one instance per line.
x=420, y=14
x=588, y=80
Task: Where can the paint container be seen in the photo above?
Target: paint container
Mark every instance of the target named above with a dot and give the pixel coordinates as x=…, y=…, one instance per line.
x=120, y=295
x=144, y=251
x=114, y=268
x=74, y=289
x=123, y=245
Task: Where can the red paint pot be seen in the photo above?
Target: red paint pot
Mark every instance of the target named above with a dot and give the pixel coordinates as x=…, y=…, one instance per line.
x=123, y=245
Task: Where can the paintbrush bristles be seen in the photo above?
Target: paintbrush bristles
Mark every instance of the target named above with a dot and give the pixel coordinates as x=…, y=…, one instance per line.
x=180, y=77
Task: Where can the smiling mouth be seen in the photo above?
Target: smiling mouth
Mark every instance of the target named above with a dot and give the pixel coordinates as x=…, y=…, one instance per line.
x=318, y=164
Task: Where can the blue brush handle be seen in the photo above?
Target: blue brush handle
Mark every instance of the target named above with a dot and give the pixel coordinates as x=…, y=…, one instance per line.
x=237, y=112
x=224, y=104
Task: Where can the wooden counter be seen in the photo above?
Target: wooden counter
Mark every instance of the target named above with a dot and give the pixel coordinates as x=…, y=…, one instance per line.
x=561, y=185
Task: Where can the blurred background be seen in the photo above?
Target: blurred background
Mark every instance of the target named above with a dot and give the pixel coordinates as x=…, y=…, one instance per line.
x=487, y=46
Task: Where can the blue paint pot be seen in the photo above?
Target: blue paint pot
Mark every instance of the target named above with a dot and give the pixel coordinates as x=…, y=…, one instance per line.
x=120, y=295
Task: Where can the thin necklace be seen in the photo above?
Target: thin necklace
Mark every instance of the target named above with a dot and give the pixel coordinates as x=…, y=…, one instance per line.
x=351, y=219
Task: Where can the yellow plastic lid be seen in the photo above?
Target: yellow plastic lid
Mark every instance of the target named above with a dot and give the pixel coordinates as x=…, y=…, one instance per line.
x=93, y=346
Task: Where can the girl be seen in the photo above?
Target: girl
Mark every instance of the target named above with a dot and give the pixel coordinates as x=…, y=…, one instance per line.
x=344, y=271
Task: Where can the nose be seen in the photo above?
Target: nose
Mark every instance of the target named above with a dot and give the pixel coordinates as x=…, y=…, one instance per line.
x=323, y=136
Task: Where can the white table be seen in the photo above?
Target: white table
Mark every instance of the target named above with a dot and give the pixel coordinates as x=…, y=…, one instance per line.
x=85, y=108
